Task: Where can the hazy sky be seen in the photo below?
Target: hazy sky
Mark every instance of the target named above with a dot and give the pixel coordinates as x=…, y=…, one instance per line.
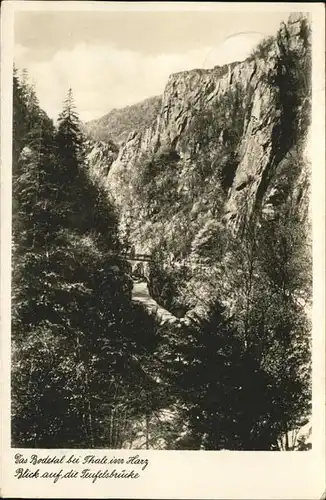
x=113, y=59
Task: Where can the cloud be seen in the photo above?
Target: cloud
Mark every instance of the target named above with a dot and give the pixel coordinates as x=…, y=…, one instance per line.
x=103, y=77
x=234, y=48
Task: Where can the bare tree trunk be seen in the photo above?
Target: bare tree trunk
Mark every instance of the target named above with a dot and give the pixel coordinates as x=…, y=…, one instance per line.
x=117, y=430
x=111, y=428
x=124, y=428
x=286, y=439
x=90, y=417
x=30, y=376
x=147, y=431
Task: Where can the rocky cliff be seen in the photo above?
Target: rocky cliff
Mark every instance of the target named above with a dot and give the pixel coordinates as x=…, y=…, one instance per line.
x=227, y=143
x=100, y=155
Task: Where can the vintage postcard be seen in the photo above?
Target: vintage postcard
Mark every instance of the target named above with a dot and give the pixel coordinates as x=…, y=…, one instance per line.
x=162, y=250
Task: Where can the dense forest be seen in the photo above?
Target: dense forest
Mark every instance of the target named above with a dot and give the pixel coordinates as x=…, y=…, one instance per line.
x=91, y=367
x=75, y=329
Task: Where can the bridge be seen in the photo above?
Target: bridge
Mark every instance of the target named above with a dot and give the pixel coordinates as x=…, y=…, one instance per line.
x=138, y=257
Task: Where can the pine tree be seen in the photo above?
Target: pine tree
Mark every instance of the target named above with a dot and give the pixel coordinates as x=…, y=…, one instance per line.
x=19, y=117
x=69, y=136
x=208, y=369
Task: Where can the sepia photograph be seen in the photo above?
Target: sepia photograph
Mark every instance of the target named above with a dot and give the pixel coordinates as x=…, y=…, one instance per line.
x=161, y=279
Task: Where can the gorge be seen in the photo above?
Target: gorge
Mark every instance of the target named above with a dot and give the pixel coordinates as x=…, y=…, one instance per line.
x=162, y=262
x=225, y=145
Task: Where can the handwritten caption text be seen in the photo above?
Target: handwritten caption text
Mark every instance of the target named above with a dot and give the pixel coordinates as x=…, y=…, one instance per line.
x=91, y=467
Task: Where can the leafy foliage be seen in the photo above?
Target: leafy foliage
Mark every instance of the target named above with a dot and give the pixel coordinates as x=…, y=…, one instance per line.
x=262, y=49
x=163, y=284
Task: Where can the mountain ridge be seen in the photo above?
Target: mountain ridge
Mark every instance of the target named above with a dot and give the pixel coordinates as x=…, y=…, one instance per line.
x=118, y=123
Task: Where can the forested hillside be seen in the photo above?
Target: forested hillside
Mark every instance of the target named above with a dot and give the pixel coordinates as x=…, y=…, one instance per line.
x=213, y=191
x=74, y=327
x=119, y=123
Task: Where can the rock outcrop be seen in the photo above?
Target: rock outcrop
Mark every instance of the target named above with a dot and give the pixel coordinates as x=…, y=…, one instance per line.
x=226, y=143
x=100, y=156
x=258, y=79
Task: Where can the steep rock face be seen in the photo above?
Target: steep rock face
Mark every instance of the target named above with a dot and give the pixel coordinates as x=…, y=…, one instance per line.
x=258, y=81
x=227, y=143
x=100, y=156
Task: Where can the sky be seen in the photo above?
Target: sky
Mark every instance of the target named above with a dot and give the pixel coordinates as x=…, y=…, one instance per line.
x=114, y=59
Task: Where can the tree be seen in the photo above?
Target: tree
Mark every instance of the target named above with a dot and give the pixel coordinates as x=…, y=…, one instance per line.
x=19, y=117
x=69, y=136
x=268, y=289
x=219, y=387
x=29, y=120
x=286, y=265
